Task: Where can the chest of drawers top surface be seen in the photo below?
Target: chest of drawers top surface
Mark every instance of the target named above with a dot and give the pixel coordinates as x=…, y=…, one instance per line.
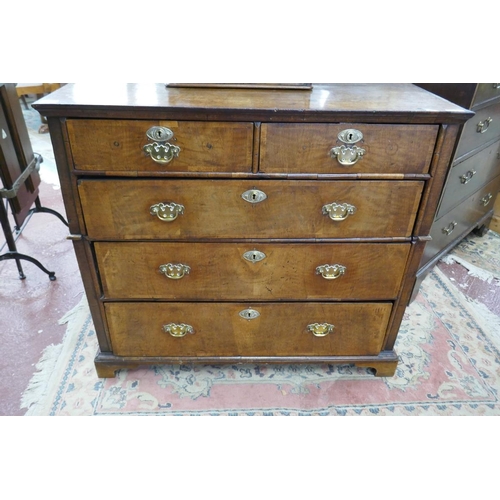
x=397, y=103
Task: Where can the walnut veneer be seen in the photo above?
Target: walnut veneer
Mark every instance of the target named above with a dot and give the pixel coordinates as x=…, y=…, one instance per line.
x=250, y=225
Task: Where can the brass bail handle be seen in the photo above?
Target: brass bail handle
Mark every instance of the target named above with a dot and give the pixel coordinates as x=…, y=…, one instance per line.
x=178, y=329
x=160, y=150
x=331, y=271
x=320, y=329
x=464, y=179
x=482, y=126
x=449, y=229
x=348, y=154
x=486, y=199
x=166, y=212
x=175, y=271
x=338, y=211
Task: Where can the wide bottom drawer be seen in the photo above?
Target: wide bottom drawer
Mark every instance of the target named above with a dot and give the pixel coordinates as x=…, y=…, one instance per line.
x=239, y=329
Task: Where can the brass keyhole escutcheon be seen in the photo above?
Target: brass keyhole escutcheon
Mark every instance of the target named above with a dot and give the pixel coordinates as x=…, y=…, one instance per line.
x=249, y=313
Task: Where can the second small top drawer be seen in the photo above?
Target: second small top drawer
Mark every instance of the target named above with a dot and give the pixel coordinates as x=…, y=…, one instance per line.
x=346, y=148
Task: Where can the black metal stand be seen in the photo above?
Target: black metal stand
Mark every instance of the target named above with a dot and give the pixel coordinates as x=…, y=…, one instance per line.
x=10, y=235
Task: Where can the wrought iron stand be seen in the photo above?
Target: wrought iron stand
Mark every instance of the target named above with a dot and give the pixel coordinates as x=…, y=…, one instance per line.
x=19, y=168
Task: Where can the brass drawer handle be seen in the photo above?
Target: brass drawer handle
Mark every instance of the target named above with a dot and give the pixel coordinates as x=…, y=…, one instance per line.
x=320, y=329
x=348, y=154
x=167, y=212
x=464, y=179
x=161, y=151
x=175, y=271
x=178, y=329
x=486, y=199
x=338, y=211
x=482, y=127
x=331, y=272
x=451, y=226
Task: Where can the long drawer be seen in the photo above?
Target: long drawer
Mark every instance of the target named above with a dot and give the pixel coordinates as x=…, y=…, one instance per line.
x=445, y=230
x=187, y=209
x=483, y=127
x=468, y=176
x=118, y=145
x=485, y=92
x=388, y=149
x=224, y=329
x=235, y=271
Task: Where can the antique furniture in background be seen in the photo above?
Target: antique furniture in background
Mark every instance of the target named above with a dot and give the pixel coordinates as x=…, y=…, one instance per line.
x=19, y=177
x=473, y=183
x=231, y=225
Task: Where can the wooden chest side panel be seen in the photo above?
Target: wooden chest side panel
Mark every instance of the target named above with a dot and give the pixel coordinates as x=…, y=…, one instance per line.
x=396, y=149
x=216, y=209
x=107, y=145
x=219, y=330
x=218, y=271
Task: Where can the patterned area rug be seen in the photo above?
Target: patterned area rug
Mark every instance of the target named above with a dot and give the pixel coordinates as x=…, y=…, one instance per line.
x=449, y=349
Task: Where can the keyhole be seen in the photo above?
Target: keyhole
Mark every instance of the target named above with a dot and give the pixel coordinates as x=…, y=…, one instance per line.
x=349, y=137
x=254, y=196
x=253, y=257
x=159, y=134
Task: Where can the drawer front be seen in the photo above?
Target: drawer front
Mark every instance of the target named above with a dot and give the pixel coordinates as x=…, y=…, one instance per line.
x=130, y=209
x=388, y=149
x=218, y=329
x=118, y=145
x=231, y=271
x=468, y=176
x=485, y=92
x=463, y=217
x=483, y=127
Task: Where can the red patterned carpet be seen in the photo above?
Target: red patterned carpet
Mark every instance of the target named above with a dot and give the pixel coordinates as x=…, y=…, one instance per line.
x=449, y=349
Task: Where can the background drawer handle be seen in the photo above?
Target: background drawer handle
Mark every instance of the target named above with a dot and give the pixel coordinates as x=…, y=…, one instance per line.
x=320, y=329
x=161, y=151
x=178, y=329
x=451, y=226
x=331, y=272
x=167, y=212
x=175, y=271
x=496, y=86
x=338, y=211
x=464, y=179
x=482, y=127
x=486, y=199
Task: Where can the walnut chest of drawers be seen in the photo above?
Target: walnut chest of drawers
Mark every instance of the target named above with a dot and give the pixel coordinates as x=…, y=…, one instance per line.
x=244, y=225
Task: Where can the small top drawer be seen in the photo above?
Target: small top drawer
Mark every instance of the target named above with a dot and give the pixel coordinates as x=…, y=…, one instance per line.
x=480, y=129
x=346, y=148
x=170, y=146
x=485, y=92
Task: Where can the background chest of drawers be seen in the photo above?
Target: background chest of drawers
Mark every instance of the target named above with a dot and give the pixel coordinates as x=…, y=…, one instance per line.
x=230, y=225
x=473, y=182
